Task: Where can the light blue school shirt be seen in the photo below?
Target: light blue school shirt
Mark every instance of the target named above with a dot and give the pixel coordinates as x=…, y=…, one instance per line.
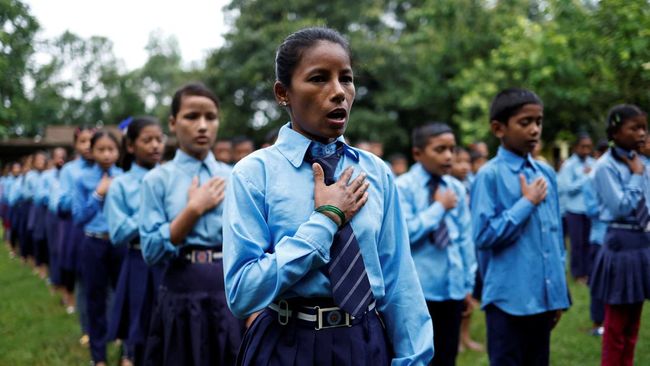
x=6, y=188
x=42, y=187
x=70, y=173
x=52, y=189
x=88, y=206
x=520, y=246
x=164, y=196
x=276, y=246
x=16, y=190
x=618, y=190
x=30, y=185
x=598, y=228
x=449, y=273
x=122, y=204
x=571, y=179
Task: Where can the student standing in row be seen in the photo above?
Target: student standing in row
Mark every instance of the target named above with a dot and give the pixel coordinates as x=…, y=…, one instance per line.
x=437, y=216
x=573, y=176
x=100, y=261
x=72, y=234
x=182, y=204
x=143, y=145
x=322, y=254
x=621, y=273
x=518, y=233
x=35, y=219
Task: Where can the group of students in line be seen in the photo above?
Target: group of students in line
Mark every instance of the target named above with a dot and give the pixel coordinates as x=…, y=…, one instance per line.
x=310, y=251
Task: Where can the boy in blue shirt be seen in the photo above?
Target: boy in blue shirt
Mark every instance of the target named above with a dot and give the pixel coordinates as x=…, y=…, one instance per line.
x=518, y=233
x=437, y=216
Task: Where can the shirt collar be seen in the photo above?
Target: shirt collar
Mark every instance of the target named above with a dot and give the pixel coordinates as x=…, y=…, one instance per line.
x=422, y=176
x=111, y=171
x=514, y=161
x=192, y=165
x=293, y=146
x=138, y=171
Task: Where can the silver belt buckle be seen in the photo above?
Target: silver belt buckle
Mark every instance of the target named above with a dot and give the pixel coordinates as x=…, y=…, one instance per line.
x=283, y=308
x=335, y=317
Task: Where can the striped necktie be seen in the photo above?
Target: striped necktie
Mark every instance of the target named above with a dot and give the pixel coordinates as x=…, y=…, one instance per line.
x=440, y=236
x=347, y=273
x=641, y=213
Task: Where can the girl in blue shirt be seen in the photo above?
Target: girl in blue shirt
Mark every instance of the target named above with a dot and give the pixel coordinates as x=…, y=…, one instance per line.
x=182, y=212
x=143, y=145
x=324, y=256
x=621, y=273
x=35, y=219
x=100, y=261
x=72, y=234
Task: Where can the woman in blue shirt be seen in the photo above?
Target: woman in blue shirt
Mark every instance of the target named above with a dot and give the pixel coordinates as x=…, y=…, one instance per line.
x=143, y=145
x=322, y=255
x=621, y=273
x=100, y=261
x=181, y=204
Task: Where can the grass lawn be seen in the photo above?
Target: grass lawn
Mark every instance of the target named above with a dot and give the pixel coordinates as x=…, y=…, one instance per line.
x=35, y=330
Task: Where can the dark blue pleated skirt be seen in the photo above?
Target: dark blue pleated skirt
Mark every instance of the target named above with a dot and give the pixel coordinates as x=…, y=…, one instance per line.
x=71, y=248
x=267, y=342
x=621, y=273
x=41, y=250
x=32, y=212
x=40, y=230
x=24, y=235
x=52, y=225
x=191, y=324
x=134, y=297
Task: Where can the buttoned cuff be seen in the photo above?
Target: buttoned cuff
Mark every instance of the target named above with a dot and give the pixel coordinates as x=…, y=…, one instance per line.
x=318, y=231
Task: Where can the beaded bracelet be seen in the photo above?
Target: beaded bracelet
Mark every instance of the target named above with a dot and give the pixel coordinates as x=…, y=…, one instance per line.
x=334, y=210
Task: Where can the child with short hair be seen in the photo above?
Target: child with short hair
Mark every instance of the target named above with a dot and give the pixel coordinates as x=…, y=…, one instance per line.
x=518, y=233
x=438, y=220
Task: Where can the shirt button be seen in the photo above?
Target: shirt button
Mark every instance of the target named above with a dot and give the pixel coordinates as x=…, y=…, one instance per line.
x=548, y=282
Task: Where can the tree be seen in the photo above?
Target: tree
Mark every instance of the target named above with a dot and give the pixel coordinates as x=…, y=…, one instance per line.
x=17, y=30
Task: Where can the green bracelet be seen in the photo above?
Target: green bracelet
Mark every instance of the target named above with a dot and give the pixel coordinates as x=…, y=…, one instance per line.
x=334, y=210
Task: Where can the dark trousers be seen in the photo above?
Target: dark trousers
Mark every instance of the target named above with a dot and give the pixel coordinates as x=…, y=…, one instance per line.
x=518, y=340
x=446, y=317
x=579, y=227
x=101, y=263
x=621, y=334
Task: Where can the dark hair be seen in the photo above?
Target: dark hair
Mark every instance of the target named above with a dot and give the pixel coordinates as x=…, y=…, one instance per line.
x=509, y=101
x=132, y=133
x=475, y=155
x=79, y=130
x=581, y=136
x=396, y=156
x=618, y=115
x=103, y=133
x=192, y=89
x=602, y=145
x=238, y=140
x=290, y=51
x=421, y=135
x=460, y=149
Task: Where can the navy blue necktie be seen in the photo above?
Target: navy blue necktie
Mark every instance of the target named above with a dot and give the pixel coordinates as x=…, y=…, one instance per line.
x=641, y=213
x=440, y=236
x=347, y=273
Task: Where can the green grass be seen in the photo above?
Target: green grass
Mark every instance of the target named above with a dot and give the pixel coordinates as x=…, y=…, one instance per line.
x=35, y=330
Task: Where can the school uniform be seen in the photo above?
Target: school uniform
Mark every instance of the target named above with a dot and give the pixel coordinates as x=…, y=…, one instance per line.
x=50, y=192
x=101, y=261
x=36, y=221
x=6, y=209
x=571, y=180
x=521, y=258
x=282, y=258
x=621, y=274
x=443, y=252
x=596, y=238
x=13, y=210
x=138, y=283
x=191, y=324
x=22, y=205
x=72, y=236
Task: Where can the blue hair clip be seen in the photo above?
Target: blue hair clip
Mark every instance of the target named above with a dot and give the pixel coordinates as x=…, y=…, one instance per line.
x=124, y=125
